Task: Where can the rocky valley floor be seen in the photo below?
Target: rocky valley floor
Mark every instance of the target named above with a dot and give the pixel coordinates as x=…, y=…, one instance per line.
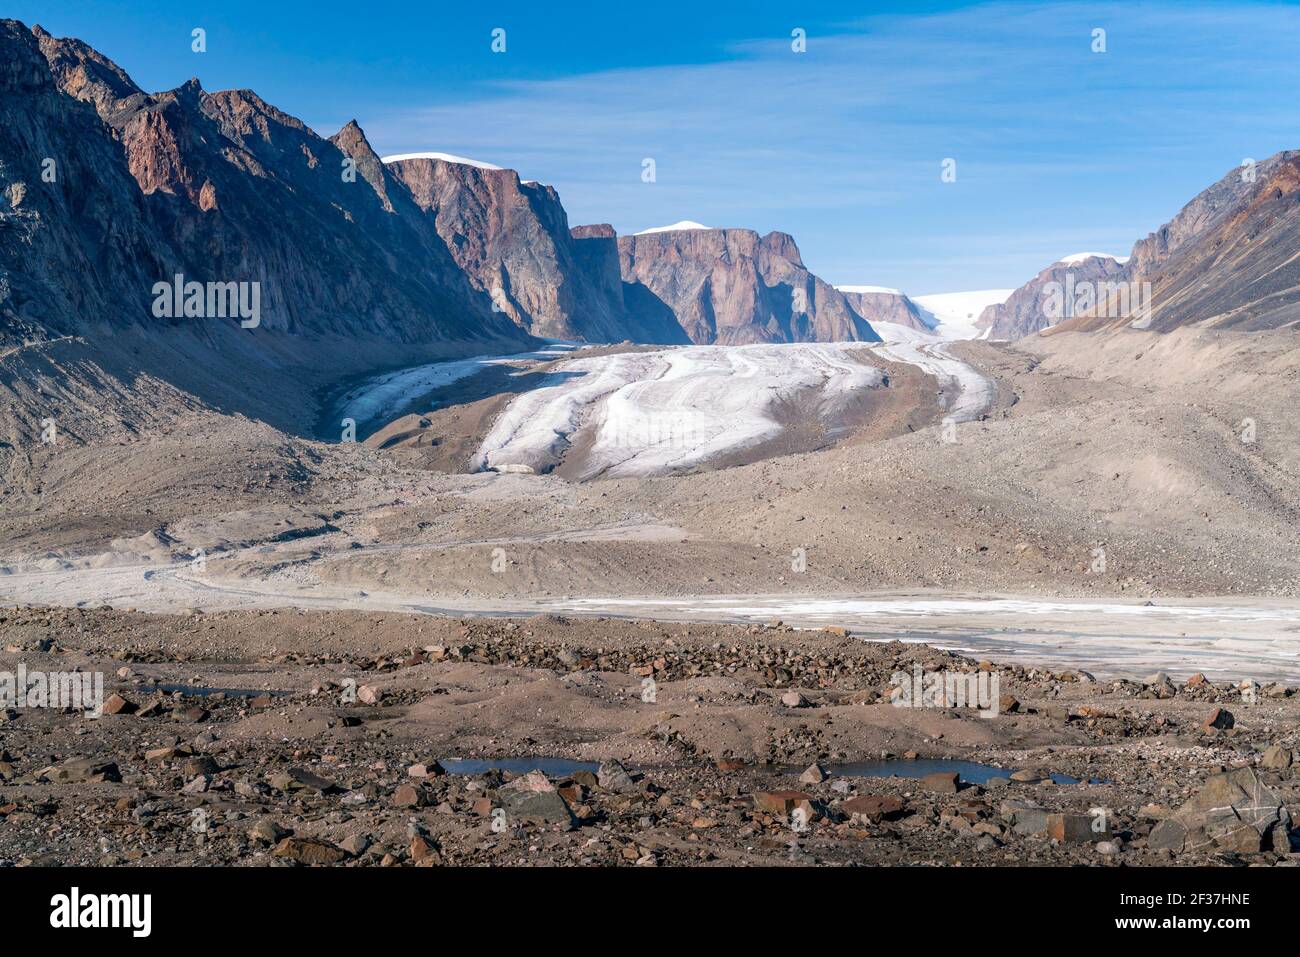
x=237, y=584
x=290, y=738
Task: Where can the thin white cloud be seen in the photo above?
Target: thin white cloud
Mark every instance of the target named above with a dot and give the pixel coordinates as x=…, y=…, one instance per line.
x=841, y=146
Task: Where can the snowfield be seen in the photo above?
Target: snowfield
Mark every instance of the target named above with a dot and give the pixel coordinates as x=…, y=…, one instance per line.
x=445, y=157
x=1083, y=257
x=685, y=224
x=651, y=413
x=954, y=313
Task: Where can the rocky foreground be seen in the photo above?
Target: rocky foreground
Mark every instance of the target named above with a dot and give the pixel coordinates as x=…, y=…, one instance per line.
x=288, y=738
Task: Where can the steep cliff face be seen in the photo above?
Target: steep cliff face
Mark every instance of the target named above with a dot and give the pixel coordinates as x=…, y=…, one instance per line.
x=76, y=246
x=512, y=239
x=732, y=287
x=1230, y=259
x=596, y=253
x=1052, y=296
x=885, y=305
x=217, y=187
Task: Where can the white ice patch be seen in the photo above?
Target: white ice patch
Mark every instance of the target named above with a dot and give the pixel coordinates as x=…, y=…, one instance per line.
x=954, y=313
x=1111, y=639
x=445, y=157
x=966, y=393
x=651, y=413
x=675, y=227
x=386, y=395
x=887, y=290
x=1082, y=257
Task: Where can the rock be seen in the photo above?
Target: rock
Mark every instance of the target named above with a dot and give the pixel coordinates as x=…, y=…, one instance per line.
x=612, y=776
x=426, y=769
x=793, y=699
x=1077, y=828
x=1025, y=817
x=1031, y=821
x=200, y=764
x=423, y=852
x=1197, y=680
x=82, y=770
x=355, y=844
x=813, y=775
x=533, y=797
x=267, y=831
x=408, y=795
x=944, y=782
x=309, y=851
x=1276, y=758
x=1029, y=776
x=780, y=802
x=1168, y=835
x=1220, y=719
x=1234, y=811
x=369, y=694
x=300, y=779
x=1007, y=704
x=1160, y=685
x=116, y=704
x=1108, y=848
x=874, y=808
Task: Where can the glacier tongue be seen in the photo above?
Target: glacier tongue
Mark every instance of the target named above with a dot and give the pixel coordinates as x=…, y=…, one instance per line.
x=650, y=413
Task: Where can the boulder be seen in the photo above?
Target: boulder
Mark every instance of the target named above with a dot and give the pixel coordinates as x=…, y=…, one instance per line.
x=612, y=776
x=308, y=851
x=944, y=782
x=533, y=797
x=1233, y=811
x=874, y=808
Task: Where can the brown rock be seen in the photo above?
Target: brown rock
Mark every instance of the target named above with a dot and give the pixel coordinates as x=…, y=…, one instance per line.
x=813, y=775
x=116, y=704
x=1220, y=719
x=944, y=782
x=408, y=796
x=1078, y=828
x=780, y=802
x=309, y=851
x=874, y=807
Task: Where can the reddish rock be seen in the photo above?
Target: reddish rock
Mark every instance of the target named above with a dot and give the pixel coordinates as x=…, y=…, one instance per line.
x=408, y=796
x=116, y=704
x=308, y=851
x=944, y=782
x=874, y=807
x=1220, y=719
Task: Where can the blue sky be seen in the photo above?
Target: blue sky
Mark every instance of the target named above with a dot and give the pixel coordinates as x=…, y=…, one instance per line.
x=1058, y=149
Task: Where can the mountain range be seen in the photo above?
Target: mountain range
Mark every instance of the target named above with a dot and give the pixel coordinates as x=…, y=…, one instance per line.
x=362, y=262
x=110, y=190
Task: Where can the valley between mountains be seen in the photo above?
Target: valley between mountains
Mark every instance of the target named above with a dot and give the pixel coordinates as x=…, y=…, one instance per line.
x=498, y=471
